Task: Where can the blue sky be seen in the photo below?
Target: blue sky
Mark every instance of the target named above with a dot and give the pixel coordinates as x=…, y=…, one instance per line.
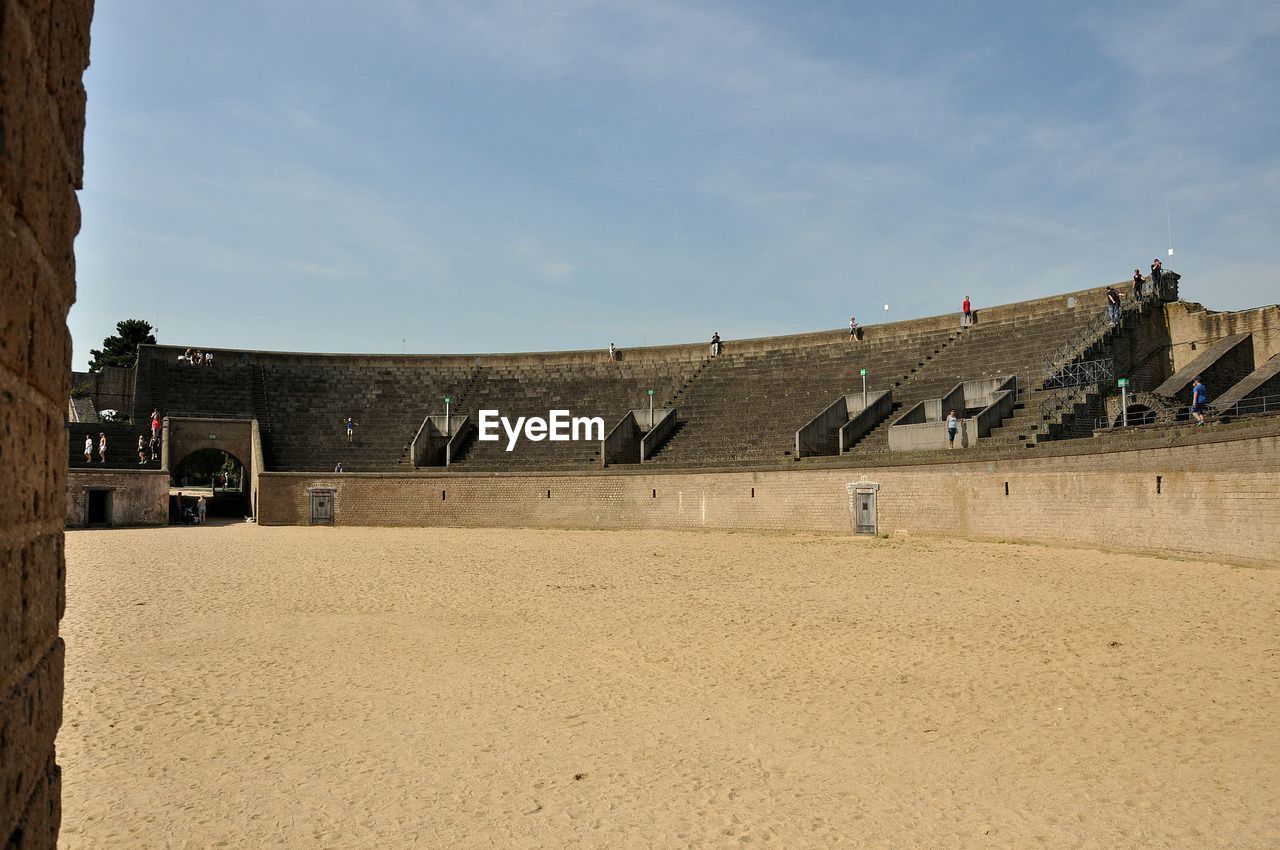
x=525, y=175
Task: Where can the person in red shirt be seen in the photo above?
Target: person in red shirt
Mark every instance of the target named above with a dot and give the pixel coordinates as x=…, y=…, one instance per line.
x=968, y=313
x=155, y=423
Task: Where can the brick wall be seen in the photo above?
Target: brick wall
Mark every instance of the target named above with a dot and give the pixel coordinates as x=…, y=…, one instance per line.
x=44, y=49
x=138, y=497
x=1191, y=324
x=1215, y=499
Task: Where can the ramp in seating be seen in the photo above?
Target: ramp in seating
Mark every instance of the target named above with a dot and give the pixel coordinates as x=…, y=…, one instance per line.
x=1263, y=382
x=1223, y=364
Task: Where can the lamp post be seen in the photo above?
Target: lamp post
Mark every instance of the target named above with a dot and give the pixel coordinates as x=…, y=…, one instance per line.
x=448, y=423
x=1124, y=401
x=863, y=373
x=650, y=410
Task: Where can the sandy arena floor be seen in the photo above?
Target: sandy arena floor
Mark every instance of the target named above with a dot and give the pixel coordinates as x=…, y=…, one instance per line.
x=257, y=687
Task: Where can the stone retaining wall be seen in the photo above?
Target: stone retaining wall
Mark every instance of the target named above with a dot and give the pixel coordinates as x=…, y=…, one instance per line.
x=1216, y=500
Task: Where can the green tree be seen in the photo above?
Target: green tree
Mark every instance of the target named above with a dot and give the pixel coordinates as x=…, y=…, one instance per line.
x=121, y=349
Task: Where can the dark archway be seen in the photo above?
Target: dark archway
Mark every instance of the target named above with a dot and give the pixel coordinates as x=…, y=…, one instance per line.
x=1139, y=414
x=219, y=476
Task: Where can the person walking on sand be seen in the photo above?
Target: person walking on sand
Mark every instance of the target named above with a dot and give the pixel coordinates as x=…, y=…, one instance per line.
x=1199, y=400
x=102, y=447
x=88, y=448
x=200, y=510
x=953, y=425
x=350, y=425
x=967, y=319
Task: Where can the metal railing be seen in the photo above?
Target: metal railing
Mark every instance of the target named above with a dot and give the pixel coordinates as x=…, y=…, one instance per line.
x=1071, y=377
x=1259, y=406
x=1091, y=332
x=1081, y=372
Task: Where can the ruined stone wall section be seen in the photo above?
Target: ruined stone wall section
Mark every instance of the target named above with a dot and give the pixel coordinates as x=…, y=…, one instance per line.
x=44, y=50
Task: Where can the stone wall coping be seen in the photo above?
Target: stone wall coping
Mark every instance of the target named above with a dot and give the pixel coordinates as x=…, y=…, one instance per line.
x=660, y=353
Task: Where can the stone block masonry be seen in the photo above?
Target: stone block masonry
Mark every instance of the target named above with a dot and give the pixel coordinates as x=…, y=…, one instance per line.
x=137, y=497
x=44, y=50
x=1212, y=500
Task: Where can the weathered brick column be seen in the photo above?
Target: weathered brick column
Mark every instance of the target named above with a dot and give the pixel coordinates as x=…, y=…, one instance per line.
x=44, y=50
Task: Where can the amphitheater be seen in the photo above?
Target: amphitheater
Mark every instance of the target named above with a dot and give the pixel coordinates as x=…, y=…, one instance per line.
x=812, y=432
x=872, y=640
x=767, y=608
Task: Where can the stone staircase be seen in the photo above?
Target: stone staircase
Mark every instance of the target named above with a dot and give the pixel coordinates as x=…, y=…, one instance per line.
x=605, y=389
x=1011, y=347
x=744, y=407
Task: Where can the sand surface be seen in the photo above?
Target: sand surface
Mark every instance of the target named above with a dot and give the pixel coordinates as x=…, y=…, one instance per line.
x=239, y=686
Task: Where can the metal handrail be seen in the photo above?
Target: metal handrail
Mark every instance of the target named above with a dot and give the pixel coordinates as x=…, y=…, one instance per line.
x=1257, y=406
x=1067, y=374
x=1082, y=372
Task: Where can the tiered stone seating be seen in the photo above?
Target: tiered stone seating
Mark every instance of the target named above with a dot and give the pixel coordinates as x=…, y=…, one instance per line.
x=307, y=403
x=605, y=389
x=1018, y=345
x=745, y=408
x=741, y=408
x=122, y=445
x=177, y=388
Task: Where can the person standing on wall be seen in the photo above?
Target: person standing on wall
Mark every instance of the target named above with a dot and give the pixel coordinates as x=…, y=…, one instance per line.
x=853, y=328
x=953, y=425
x=102, y=447
x=967, y=318
x=1113, y=305
x=613, y=352
x=1137, y=285
x=1199, y=400
x=715, y=344
x=1157, y=273
x=88, y=448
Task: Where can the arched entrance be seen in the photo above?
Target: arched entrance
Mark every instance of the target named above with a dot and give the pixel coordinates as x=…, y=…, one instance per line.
x=219, y=476
x=210, y=457
x=1139, y=414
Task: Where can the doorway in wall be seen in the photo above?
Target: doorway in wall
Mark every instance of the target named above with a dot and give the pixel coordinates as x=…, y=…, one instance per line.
x=97, y=507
